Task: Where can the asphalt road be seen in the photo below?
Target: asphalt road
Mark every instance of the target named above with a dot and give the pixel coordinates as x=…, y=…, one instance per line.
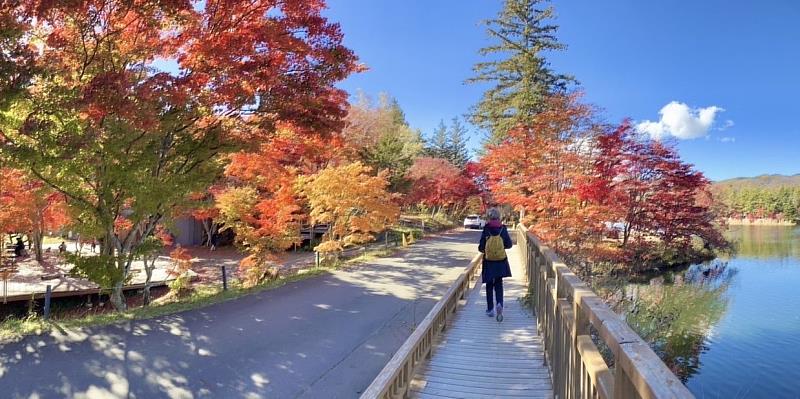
x=324, y=337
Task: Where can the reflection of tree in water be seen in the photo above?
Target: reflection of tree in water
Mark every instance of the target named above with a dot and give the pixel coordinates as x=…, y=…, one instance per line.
x=676, y=312
x=761, y=242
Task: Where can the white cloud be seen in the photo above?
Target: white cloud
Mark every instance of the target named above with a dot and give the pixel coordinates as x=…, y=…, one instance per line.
x=681, y=121
x=728, y=139
x=728, y=124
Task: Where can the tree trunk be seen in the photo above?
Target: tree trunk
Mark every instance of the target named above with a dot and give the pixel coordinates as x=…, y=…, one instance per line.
x=149, y=274
x=38, y=237
x=117, y=297
x=207, y=230
x=112, y=243
x=626, y=233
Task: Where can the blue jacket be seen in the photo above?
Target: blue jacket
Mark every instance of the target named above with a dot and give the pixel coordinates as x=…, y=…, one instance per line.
x=493, y=269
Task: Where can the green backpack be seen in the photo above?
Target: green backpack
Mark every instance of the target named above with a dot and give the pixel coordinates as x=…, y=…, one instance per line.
x=495, y=250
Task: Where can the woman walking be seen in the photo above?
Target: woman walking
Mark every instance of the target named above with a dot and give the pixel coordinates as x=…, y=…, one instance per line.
x=494, y=242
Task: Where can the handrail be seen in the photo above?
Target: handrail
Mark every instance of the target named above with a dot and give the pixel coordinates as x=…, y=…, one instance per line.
x=393, y=381
x=566, y=308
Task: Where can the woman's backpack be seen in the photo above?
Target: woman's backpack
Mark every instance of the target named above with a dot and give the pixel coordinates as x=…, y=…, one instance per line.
x=495, y=249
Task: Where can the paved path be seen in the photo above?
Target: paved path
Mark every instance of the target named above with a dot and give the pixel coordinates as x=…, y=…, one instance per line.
x=325, y=337
x=481, y=358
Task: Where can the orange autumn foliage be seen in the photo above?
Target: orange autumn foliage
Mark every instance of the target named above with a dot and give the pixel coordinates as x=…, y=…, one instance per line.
x=128, y=106
x=29, y=207
x=600, y=194
x=351, y=201
x=260, y=203
x=540, y=168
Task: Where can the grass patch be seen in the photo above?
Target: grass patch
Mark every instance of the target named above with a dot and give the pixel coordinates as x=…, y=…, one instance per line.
x=13, y=329
x=361, y=257
x=52, y=240
x=372, y=255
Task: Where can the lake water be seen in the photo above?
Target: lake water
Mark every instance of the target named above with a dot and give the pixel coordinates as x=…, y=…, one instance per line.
x=729, y=328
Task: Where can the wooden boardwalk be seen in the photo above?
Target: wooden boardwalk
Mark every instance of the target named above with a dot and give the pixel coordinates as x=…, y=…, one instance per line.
x=477, y=357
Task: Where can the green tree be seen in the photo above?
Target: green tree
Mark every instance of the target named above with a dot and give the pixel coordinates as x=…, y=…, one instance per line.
x=457, y=152
x=520, y=74
x=16, y=58
x=394, y=153
x=126, y=143
x=379, y=136
x=449, y=143
x=398, y=116
x=755, y=202
x=438, y=144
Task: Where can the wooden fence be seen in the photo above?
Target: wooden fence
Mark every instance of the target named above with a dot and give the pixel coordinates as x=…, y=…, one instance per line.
x=566, y=308
x=395, y=378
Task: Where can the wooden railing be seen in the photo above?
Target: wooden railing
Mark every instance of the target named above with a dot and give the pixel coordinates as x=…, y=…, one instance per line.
x=566, y=308
x=394, y=380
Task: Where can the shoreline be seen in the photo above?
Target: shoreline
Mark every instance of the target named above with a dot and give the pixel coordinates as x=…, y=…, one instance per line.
x=759, y=222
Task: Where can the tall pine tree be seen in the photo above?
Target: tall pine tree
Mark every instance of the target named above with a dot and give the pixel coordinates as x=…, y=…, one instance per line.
x=438, y=144
x=520, y=73
x=457, y=152
x=398, y=116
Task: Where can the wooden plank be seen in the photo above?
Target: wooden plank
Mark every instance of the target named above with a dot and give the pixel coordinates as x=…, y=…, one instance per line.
x=499, y=361
x=520, y=383
x=648, y=373
x=449, y=363
x=640, y=365
x=595, y=366
x=526, y=352
x=494, y=347
x=481, y=358
x=388, y=377
x=452, y=391
x=81, y=292
x=482, y=373
x=469, y=374
x=422, y=395
x=542, y=379
x=515, y=355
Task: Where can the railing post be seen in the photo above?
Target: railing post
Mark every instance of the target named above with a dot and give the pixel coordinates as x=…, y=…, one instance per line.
x=566, y=308
x=224, y=279
x=47, y=295
x=623, y=387
x=557, y=362
x=580, y=327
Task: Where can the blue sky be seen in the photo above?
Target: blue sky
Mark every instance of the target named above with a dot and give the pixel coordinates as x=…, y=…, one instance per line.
x=632, y=59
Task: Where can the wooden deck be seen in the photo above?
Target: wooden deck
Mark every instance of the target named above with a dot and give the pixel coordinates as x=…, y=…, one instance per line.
x=477, y=357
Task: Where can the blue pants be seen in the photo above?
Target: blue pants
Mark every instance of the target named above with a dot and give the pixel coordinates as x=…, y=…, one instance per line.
x=494, y=289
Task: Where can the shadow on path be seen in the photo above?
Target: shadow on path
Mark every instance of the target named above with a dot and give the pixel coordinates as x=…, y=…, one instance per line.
x=323, y=337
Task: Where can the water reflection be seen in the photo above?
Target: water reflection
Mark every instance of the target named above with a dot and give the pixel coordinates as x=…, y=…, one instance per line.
x=765, y=242
x=729, y=328
x=675, y=312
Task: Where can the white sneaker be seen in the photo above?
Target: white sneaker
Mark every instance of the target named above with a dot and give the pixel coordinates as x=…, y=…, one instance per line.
x=499, y=309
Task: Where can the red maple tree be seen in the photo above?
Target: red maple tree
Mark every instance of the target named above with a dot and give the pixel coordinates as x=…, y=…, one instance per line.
x=29, y=207
x=438, y=184
x=106, y=124
x=540, y=169
x=578, y=182
x=653, y=194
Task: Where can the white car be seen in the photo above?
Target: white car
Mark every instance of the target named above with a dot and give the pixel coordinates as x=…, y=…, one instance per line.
x=474, y=222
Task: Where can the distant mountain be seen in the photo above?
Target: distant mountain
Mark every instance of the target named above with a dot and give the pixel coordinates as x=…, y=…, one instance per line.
x=763, y=181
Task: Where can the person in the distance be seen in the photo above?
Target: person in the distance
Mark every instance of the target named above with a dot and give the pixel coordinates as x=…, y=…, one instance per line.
x=494, y=242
